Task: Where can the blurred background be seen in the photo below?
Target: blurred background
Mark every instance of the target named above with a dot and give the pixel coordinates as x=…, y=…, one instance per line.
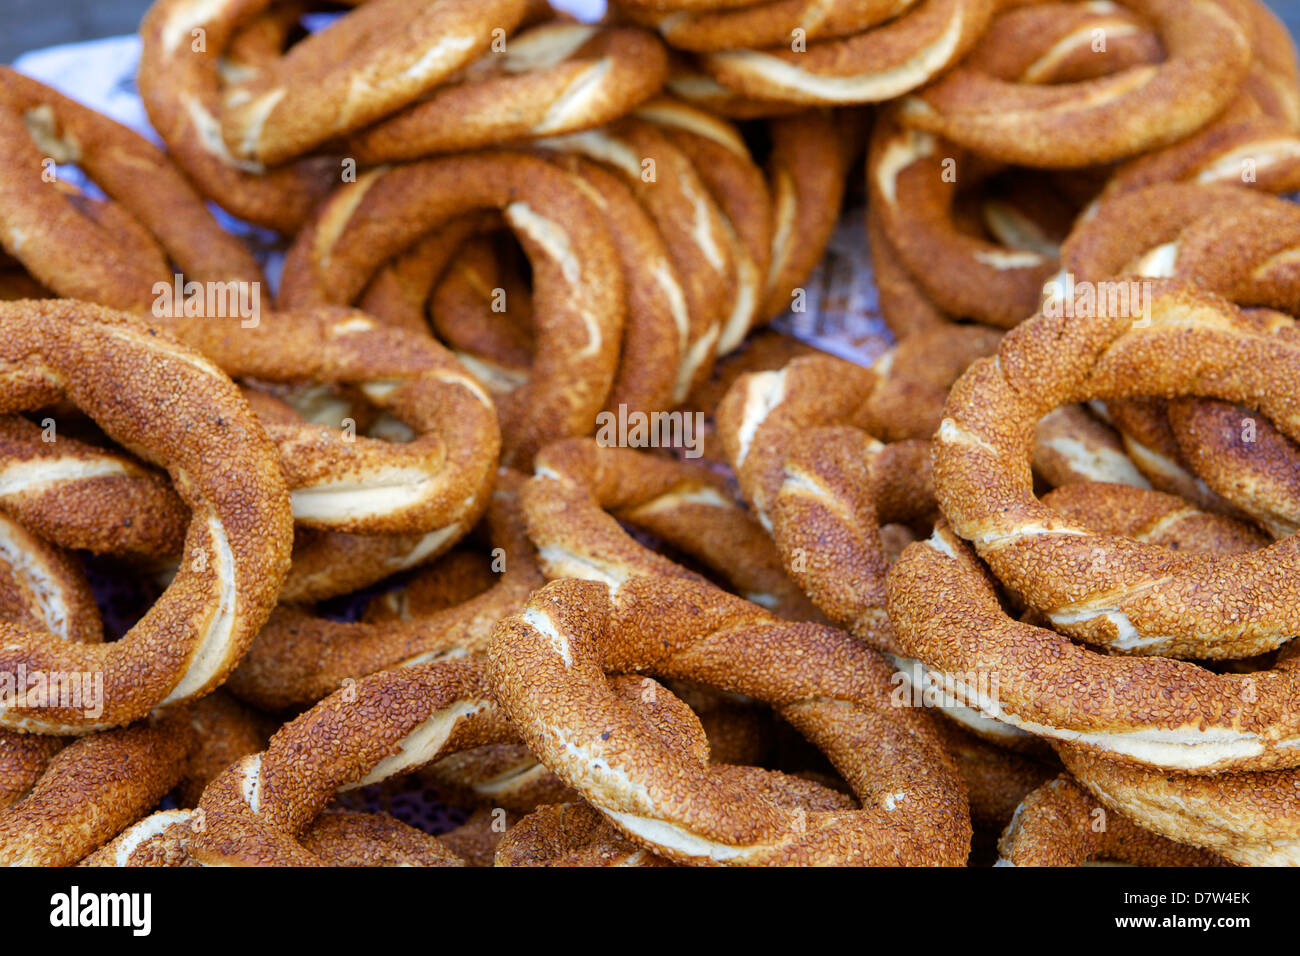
x=36, y=23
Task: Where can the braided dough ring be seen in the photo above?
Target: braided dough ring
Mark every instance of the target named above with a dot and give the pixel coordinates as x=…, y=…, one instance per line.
x=765, y=24
x=298, y=658
x=92, y=789
x=578, y=296
x=692, y=225
x=390, y=723
x=547, y=667
x=1054, y=43
x=44, y=590
x=1059, y=824
x=807, y=171
x=1124, y=594
x=1149, y=711
x=905, y=308
x=366, y=485
x=578, y=481
x=722, y=158
x=1260, y=476
x=799, y=441
x=80, y=496
x=499, y=345
x=379, y=58
x=1207, y=44
x=997, y=779
x=66, y=250
x=224, y=468
x=334, y=838
x=961, y=274
x=1248, y=818
x=577, y=834
x=867, y=67
x=555, y=78
x=180, y=87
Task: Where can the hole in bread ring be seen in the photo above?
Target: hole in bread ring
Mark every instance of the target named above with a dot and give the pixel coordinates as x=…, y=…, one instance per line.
x=547, y=665
x=578, y=295
x=1101, y=119
x=224, y=468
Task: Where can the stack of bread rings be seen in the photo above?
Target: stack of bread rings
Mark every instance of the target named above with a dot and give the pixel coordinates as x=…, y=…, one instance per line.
x=495, y=476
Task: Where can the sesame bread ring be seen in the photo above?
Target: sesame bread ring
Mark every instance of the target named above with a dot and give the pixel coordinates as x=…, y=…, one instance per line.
x=997, y=779
x=1132, y=232
x=482, y=273
x=693, y=227
x=222, y=465
x=347, y=838
x=555, y=78
x=582, y=490
x=1149, y=711
x=1153, y=517
x=577, y=834
x=66, y=249
x=87, y=498
x=1060, y=824
x=877, y=64
x=904, y=307
x=578, y=296
x=92, y=789
x=807, y=170
x=41, y=589
x=550, y=660
x=183, y=44
x=914, y=378
x=299, y=657
x=389, y=723
x=1055, y=42
x=382, y=56
x=722, y=158
x=1207, y=47
x=689, y=84
x=1150, y=443
x=399, y=293
x=334, y=838
x=822, y=484
x=1104, y=589
x=368, y=485
x=1071, y=445
x=765, y=24
x=44, y=589
x=1257, y=151
x=1248, y=461
x=653, y=369
x=965, y=275
x=1247, y=818
x=1274, y=78
x=570, y=834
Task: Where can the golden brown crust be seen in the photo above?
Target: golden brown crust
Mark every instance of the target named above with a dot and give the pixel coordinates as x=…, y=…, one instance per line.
x=546, y=665
x=554, y=78
x=300, y=657
x=70, y=252
x=379, y=58
x=1207, y=47
x=121, y=373
x=578, y=296
x=876, y=64
x=1059, y=824
x=92, y=789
